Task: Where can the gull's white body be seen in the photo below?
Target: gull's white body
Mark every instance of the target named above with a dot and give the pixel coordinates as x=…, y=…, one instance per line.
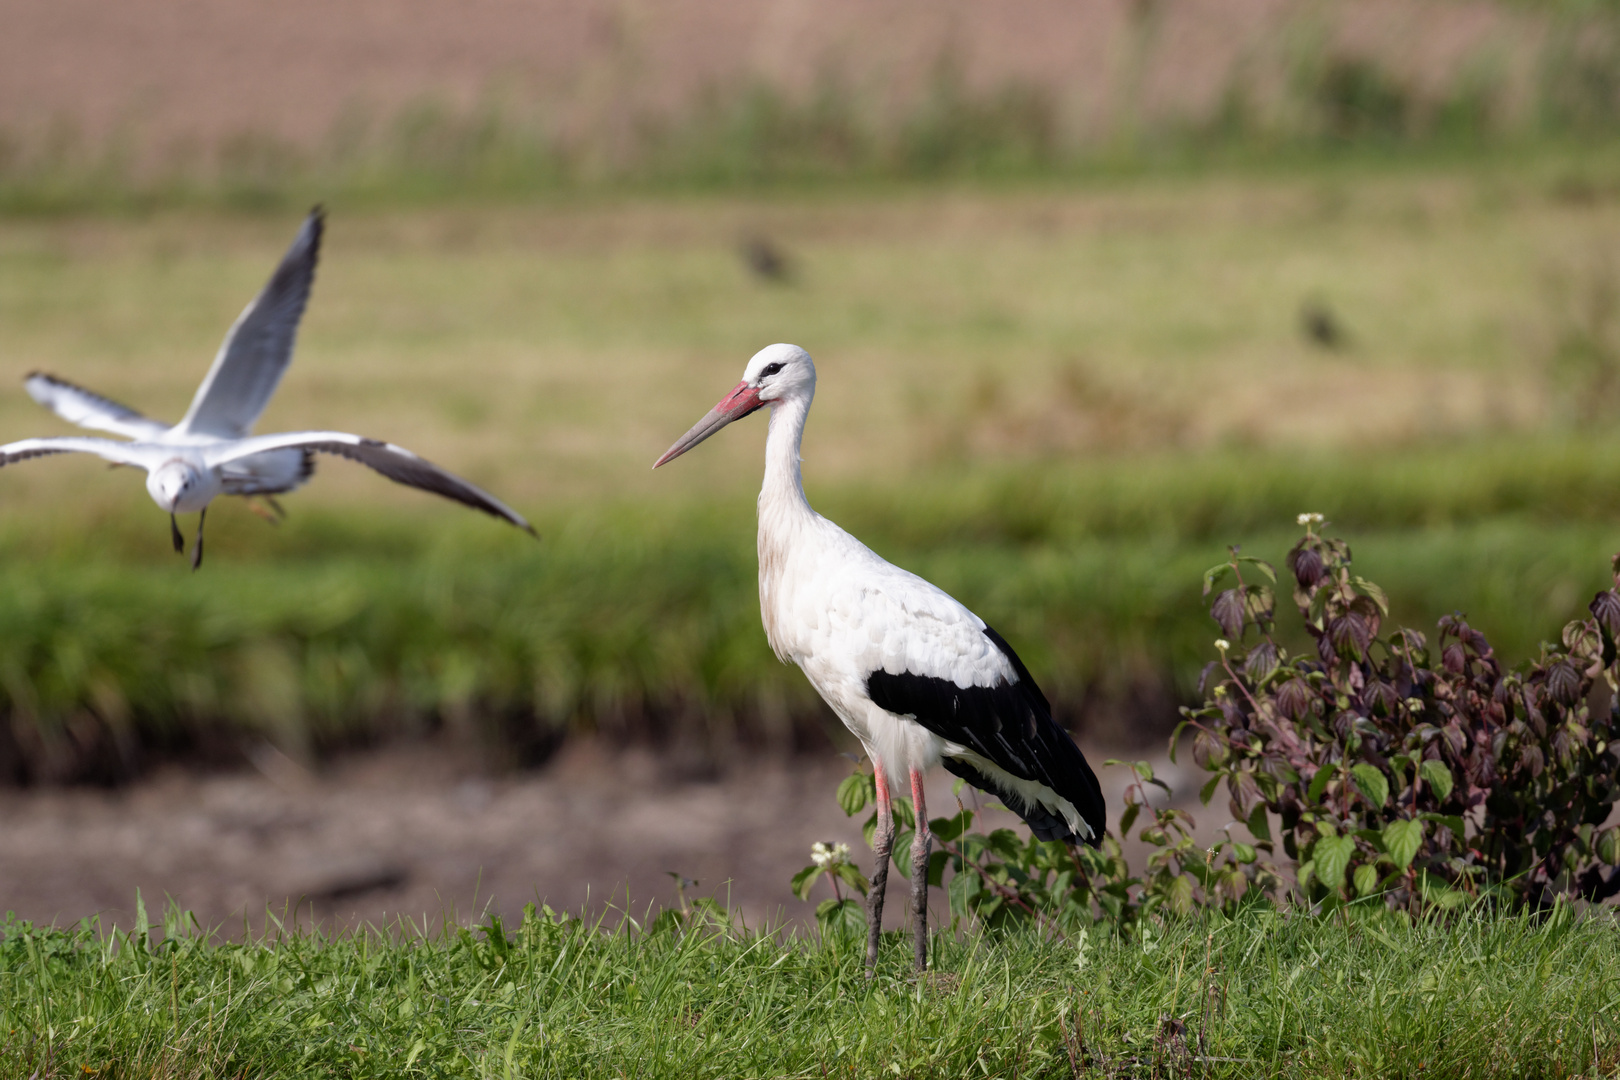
x=211, y=451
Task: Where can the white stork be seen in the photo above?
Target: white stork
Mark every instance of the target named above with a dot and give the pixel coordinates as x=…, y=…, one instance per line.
x=211, y=451
x=919, y=679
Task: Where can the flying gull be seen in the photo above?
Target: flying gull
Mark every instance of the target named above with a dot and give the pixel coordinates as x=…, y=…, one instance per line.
x=212, y=451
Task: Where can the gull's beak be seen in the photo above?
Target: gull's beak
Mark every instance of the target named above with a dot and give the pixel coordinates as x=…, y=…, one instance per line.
x=742, y=400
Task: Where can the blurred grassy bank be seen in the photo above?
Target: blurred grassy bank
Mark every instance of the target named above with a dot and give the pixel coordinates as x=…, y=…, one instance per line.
x=1059, y=404
x=642, y=622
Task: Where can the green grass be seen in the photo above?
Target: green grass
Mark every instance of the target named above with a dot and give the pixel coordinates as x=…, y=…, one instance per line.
x=1361, y=993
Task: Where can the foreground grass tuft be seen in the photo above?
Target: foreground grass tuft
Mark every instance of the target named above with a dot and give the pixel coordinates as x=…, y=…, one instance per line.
x=1361, y=992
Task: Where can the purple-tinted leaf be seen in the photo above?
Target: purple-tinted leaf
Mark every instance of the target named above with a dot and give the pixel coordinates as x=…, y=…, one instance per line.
x=1564, y=683
x=1605, y=609
x=1453, y=658
x=1381, y=697
x=1532, y=759
x=1262, y=661
x=1350, y=635
x=1208, y=751
x=1306, y=566
x=1245, y=793
x=1227, y=611
x=1294, y=698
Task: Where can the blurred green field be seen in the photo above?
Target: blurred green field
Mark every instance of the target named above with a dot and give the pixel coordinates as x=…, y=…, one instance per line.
x=1061, y=403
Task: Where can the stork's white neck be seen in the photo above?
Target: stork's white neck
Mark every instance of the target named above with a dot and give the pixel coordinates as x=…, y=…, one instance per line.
x=784, y=486
x=784, y=515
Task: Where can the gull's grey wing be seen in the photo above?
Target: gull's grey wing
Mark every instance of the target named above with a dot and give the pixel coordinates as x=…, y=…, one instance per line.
x=88, y=409
x=119, y=453
x=394, y=462
x=259, y=346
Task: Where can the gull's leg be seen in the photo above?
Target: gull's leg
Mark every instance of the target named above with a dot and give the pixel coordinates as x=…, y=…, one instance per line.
x=196, y=553
x=883, y=841
x=281, y=515
x=174, y=534
x=921, y=841
x=266, y=507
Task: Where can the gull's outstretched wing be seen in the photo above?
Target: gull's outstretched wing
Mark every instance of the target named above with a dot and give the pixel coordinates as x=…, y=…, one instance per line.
x=141, y=455
x=79, y=406
x=259, y=347
x=394, y=462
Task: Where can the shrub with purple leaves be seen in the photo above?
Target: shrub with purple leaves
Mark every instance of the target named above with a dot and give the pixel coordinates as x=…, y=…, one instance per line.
x=1389, y=764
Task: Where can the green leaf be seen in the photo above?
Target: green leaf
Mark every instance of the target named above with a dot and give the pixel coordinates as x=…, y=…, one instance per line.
x=1332, y=858
x=1454, y=822
x=1259, y=825
x=857, y=790
x=1128, y=818
x=1207, y=792
x=1402, y=839
x=1007, y=844
x=804, y=879
x=1608, y=846
x=946, y=829
x=1214, y=574
x=1438, y=777
x=1260, y=565
x=852, y=876
x=841, y=919
x=1319, y=784
x=1244, y=853
x=1372, y=783
x=1365, y=879
x=1367, y=588
x=963, y=889
x=1179, y=896
x=903, y=817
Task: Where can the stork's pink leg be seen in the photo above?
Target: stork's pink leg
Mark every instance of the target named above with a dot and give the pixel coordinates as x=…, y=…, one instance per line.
x=921, y=841
x=883, y=841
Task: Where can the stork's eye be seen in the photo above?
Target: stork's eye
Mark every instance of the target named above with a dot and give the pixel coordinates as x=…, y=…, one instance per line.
x=770, y=369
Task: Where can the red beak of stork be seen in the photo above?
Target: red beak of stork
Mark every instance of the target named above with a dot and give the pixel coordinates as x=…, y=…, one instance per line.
x=742, y=400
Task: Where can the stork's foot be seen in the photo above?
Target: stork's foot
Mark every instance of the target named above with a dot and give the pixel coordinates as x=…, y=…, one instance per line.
x=919, y=892
x=874, y=900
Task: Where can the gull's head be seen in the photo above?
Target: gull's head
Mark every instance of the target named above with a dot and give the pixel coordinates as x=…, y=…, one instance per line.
x=776, y=374
x=176, y=486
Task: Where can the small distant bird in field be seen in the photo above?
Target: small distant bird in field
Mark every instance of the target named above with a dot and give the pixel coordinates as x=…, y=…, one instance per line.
x=1321, y=326
x=210, y=452
x=919, y=679
x=767, y=261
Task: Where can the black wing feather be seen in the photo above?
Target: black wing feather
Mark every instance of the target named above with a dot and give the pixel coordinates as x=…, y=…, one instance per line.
x=1009, y=724
x=404, y=467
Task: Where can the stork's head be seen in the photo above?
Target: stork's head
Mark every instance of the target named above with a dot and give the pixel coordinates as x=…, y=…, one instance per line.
x=175, y=486
x=776, y=374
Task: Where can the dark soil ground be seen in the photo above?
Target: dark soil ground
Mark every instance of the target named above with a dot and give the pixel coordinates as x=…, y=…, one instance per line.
x=419, y=831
